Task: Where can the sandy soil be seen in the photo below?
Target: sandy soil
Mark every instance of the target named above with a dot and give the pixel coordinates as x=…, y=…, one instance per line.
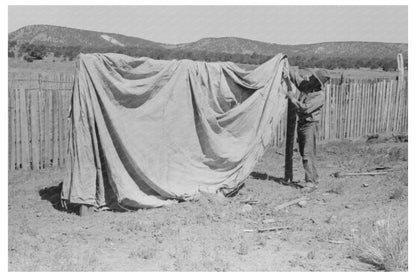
x=212, y=233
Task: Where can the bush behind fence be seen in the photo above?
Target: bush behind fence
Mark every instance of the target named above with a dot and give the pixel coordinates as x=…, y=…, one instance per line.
x=39, y=109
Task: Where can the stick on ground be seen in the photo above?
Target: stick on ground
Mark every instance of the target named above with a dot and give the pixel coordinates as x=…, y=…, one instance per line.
x=276, y=228
x=340, y=174
x=290, y=203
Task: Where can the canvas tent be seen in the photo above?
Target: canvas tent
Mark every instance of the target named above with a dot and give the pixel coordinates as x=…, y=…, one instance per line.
x=146, y=132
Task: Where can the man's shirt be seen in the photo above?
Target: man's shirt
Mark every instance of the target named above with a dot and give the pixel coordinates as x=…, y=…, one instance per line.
x=311, y=98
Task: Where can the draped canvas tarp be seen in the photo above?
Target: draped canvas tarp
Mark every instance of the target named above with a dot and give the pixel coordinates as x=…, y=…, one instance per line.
x=147, y=132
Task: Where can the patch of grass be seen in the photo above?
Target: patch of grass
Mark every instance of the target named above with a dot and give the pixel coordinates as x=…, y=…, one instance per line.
x=389, y=155
x=385, y=246
x=358, y=155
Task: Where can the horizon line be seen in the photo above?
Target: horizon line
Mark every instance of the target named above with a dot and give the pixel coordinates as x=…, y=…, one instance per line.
x=335, y=41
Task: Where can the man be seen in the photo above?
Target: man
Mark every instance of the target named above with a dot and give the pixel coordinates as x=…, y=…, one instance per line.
x=308, y=107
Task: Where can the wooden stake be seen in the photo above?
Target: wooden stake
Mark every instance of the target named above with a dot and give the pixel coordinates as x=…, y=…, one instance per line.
x=369, y=106
x=41, y=104
x=290, y=140
x=328, y=92
x=55, y=126
x=349, y=115
x=18, y=131
x=344, y=107
x=402, y=111
x=336, y=111
x=362, y=115
x=34, y=99
x=365, y=108
x=373, y=107
x=48, y=128
x=24, y=129
x=406, y=107
x=379, y=107
x=354, y=110
x=376, y=115
x=385, y=105
x=397, y=110
x=60, y=127
x=388, y=105
x=12, y=122
x=9, y=131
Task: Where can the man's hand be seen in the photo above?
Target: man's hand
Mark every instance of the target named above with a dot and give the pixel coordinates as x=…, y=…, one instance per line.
x=286, y=72
x=293, y=100
x=289, y=94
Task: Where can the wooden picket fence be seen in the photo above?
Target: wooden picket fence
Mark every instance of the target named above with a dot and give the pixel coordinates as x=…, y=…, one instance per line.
x=39, y=109
x=358, y=109
x=38, y=120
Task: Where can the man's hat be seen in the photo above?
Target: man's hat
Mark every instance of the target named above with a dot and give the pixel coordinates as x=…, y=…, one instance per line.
x=322, y=75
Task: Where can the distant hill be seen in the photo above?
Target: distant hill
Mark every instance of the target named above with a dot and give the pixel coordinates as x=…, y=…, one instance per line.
x=37, y=41
x=62, y=36
x=324, y=49
x=49, y=35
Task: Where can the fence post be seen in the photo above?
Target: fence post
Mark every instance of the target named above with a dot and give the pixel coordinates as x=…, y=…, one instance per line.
x=35, y=130
x=327, y=111
x=12, y=138
x=24, y=129
x=388, y=106
x=400, y=67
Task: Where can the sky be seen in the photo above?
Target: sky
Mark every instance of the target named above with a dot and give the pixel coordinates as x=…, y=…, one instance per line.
x=181, y=24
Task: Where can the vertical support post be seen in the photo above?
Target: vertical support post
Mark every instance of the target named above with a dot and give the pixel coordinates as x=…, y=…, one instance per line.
x=327, y=91
x=18, y=130
x=290, y=140
x=24, y=127
x=11, y=130
x=400, y=67
x=34, y=123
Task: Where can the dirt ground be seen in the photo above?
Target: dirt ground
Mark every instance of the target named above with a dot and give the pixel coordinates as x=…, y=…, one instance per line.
x=213, y=233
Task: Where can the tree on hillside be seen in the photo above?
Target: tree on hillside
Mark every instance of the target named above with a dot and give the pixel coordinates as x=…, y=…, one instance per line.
x=12, y=44
x=32, y=52
x=71, y=52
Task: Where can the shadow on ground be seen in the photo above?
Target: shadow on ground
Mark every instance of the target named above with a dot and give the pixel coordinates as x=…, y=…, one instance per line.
x=265, y=176
x=53, y=195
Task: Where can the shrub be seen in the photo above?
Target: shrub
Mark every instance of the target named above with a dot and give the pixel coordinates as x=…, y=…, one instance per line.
x=386, y=246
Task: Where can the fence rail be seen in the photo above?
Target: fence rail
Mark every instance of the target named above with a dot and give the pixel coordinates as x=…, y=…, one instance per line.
x=39, y=109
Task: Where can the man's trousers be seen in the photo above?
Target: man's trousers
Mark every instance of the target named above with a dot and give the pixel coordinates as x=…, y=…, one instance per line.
x=307, y=133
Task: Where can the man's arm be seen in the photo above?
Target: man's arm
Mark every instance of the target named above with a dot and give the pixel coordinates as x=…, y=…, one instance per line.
x=295, y=77
x=312, y=103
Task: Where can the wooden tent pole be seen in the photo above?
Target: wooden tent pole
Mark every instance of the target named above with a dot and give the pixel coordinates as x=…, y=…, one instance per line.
x=290, y=140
